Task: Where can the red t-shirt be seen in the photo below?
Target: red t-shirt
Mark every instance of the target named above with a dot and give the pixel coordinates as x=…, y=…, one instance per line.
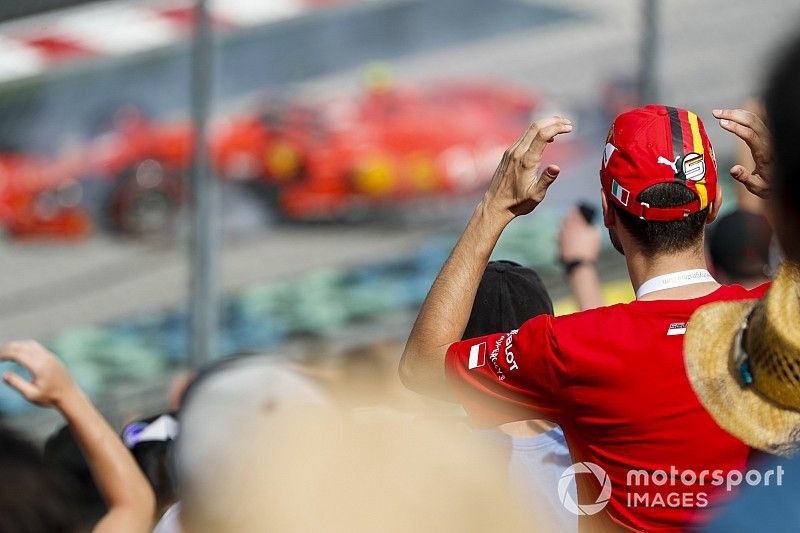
x=613, y=378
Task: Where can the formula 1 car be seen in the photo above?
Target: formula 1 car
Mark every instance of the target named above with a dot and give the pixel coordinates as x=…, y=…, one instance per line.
x=350, y=158
x=339, y=160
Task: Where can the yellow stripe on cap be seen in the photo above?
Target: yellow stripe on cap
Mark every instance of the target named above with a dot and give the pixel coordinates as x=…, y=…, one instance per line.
x=697, y=142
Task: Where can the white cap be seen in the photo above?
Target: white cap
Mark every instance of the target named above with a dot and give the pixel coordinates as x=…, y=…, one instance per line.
x=229, y=404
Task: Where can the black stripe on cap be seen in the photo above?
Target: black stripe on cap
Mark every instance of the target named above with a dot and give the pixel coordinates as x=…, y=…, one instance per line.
x=677, y=139
x=677, y=132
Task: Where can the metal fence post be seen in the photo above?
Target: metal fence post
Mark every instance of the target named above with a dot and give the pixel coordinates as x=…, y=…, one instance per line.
x=648, y=60
x=204, y=208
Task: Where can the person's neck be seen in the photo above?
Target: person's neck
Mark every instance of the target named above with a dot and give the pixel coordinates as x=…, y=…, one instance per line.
x=642, y=268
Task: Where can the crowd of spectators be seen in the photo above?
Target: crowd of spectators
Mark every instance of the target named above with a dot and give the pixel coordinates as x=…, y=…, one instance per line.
x=701, y=373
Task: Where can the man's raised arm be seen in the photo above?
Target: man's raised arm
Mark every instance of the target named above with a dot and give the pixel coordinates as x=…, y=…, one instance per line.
x=516, y=189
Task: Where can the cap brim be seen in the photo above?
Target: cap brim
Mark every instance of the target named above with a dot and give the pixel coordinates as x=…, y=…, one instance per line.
x=740, y=410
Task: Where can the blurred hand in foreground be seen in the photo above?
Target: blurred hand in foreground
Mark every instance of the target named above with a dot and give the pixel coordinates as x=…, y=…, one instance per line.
x=749, y=127
x=579, y=246
x=50, y=382
x=578, y=240
x=126, y=491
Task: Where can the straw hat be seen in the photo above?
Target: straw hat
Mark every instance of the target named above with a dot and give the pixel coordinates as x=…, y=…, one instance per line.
x=743, y=361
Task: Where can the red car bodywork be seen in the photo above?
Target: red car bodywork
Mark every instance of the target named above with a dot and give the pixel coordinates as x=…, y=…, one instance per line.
x=390, y=146
x=135, y=139
x=40, y=199
x=318, y=161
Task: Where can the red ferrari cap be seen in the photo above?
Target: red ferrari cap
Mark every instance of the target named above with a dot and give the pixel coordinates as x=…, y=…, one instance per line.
x=658, y=144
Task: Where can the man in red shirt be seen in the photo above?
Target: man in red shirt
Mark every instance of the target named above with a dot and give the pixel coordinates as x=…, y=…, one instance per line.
x=613, y=377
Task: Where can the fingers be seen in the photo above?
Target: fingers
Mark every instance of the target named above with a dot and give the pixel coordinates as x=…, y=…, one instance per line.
x=24, y=387
x=742, y=117
x=747, y=126
x=527, y=137
x=21, y=352
x=745, y=133
x=550, y=174
x=753, y=182
x=537, y=136
x=543, y=132
x=15, y=351
x=546, y=178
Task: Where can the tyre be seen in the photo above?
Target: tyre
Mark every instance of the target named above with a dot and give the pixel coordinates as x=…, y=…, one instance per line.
x=145, y=202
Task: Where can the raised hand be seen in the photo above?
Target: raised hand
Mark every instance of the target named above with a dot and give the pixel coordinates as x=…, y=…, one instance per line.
x=50, y=381
x=578, y=240
x=749, y=127
x=517, y=187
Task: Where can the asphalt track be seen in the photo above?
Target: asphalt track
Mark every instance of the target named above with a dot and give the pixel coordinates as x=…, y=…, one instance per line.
x=711, y=56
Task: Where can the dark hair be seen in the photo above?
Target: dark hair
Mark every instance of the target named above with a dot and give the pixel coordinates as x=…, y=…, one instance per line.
x=33, y=499
x=783, y=113
x=783, y=116
x=155, y=460
x=656, y=237
x=63, y=455
x=738, y=244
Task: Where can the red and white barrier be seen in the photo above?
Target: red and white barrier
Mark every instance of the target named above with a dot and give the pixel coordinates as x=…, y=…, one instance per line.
x=29, y=47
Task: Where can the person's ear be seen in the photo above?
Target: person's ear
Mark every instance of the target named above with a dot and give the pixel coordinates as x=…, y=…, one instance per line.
x=715, y=205
x=609, y=217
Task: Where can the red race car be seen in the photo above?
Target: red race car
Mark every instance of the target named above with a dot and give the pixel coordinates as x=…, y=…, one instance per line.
x=343, y=159
x=349, y=158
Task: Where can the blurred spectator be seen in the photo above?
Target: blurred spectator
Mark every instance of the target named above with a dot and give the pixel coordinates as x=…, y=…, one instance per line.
x=508, y=295
x=224, y=406
x=150, y=441
x=739, y=249
x=32, y=497
x=759, y=337
x=177, y=388
x=63, y=454
x=126, y=491
x=770, y=508
x=364, y=376
x=736, y=349
x=783, y=114
x=262, y=449
x=742, y=359
x=362, y=379
x=579, y=249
